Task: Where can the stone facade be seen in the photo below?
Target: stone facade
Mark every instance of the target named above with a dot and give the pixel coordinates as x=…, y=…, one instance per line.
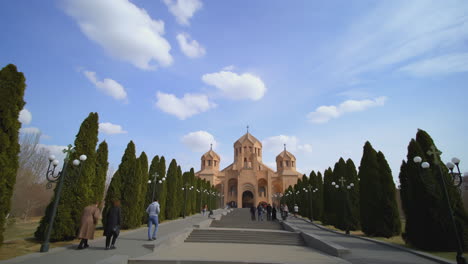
x=248, y=181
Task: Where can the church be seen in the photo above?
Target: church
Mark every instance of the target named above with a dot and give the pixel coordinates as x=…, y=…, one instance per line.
x=248, y=181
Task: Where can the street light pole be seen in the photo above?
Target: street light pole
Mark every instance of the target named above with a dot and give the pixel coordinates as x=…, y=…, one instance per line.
x=155, y=181
x=59, y=178
x=185, y=188
x=435, y=153
x=345, y=200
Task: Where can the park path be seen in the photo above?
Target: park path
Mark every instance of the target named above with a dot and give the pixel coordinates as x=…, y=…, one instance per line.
x=362, y=251
x=129, y=243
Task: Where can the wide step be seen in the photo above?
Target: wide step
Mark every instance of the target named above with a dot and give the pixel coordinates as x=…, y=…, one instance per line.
x=245, y=237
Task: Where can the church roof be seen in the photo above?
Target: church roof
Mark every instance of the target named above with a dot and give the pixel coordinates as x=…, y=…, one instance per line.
x=249, y=137
x=285, y=154
x=211, y=154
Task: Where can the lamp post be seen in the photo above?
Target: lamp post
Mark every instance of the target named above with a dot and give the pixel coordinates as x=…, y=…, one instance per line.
x=345, y=200
x=154, y=181
x=310, y=191
x=59, y=179
x=456, y=181
x=185, y=188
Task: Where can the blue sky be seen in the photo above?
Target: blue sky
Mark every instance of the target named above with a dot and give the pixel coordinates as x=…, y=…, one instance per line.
x=177, y=75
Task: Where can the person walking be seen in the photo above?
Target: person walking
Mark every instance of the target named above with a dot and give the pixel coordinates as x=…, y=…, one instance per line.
x=268, y=210
x=204, y=209
x=260, y=212
x=89, y=219
x=153, y=212
x=273, y=213
x=296, y=210
x=285, y=211
x=113, y=223
x=252, y=212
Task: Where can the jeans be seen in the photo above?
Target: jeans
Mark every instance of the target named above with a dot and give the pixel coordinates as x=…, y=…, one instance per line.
x=153, y=219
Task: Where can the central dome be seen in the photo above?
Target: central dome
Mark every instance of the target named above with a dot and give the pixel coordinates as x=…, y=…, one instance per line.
x=248, y=137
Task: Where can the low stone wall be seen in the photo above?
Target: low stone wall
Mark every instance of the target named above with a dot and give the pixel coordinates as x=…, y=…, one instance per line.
x=317, y=242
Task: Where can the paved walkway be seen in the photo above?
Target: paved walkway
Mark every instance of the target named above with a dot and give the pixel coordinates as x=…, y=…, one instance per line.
x=362, y=251
x=129, y=243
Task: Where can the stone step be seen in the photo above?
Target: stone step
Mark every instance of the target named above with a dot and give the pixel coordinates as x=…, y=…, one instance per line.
x=246, y=237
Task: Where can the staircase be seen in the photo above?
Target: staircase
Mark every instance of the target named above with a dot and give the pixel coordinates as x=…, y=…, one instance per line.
x=245, y=237
x=240, y=218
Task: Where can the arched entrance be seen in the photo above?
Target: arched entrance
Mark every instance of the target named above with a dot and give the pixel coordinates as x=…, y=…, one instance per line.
x=247, y=199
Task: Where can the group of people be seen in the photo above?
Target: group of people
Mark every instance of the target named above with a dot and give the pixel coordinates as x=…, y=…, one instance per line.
x=263, y=209
x=92, y=213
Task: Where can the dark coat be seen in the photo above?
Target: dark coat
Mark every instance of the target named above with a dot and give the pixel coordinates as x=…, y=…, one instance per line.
x=273, y=213
x=113, y=219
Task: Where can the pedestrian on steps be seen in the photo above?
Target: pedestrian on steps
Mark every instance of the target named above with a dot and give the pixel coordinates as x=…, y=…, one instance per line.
x=268, y=209
x=260, y=212
x=252, y=212
x=113, y=223
x=273, y=213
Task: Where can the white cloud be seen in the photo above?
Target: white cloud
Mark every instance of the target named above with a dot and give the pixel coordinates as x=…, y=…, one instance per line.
x=187, y=106
x=235, y=86
x=108, y=86
x=183, y=10
x=275, y=144
x=124, y=30
x=55, y=150
x=110, y=129
x=409, y=32
x=324, y=113
x=199, y=141
x=442, y=65
x=191, y=48
x=25, y=117
x=30, y=130
x=229, y=68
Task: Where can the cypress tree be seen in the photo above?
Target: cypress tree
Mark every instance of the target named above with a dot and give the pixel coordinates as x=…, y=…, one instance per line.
x=391, y=217
x=102, y=165
x=353, y=195
x=319, y=197
x=130, y=187
x=193, y=193
x=162, y=188
x=328, y=213
x=143, y=159
x=77, y=192
x=12, y=86
x=171, y=202
x=422, y=193
x=340, y=203
x=179, y=193
x=370, y=195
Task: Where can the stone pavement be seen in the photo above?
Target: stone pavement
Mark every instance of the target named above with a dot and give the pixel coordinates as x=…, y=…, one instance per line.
x=130, y=243
x=362, y=251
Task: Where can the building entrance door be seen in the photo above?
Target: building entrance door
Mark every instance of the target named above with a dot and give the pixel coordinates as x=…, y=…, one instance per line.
x=247, y=199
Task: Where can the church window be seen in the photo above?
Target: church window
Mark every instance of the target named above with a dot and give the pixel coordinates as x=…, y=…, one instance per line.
x=287, y=163
x=245, y=162
x=292, y=163
x=280, y=164
x=250, y=148
x=240, y=150
x=215, y=163
x=209, y=163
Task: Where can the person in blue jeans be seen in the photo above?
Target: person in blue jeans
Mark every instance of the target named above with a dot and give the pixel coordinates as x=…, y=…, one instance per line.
x=153, y=212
